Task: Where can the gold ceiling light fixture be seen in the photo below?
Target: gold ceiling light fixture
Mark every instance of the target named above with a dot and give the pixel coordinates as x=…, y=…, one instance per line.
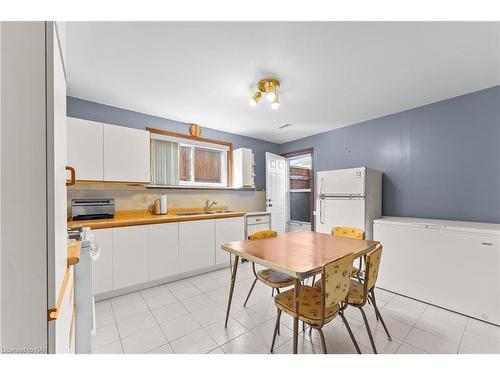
x=268, y=87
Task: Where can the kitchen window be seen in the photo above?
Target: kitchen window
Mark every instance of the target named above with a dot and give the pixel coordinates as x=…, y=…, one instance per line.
x=202, y=165
x=177, y=159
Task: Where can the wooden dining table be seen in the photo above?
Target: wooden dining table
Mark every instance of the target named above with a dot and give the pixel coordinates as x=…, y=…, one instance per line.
x=300, y=254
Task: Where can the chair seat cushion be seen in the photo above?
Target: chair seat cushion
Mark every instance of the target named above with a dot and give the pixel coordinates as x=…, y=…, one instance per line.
x=356, y=293
x=274, y=278
x=309, y=305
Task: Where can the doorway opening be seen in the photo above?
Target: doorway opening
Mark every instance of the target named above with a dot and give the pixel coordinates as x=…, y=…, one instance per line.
x=299, y=190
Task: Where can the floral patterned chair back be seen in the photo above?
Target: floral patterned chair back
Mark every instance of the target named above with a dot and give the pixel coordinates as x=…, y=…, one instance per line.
x=349, y=232
x=336, y=276
x=262, y=234
x=372, y=267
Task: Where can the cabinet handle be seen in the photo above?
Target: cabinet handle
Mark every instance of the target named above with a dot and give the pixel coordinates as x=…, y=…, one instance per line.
x=258, y=219
x=72, y=179
x=487, y=243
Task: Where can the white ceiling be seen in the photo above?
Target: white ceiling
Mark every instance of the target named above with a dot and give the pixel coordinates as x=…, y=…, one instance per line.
x=332, y=74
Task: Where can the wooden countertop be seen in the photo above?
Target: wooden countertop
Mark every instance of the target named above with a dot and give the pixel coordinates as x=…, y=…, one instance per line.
x=143, y=217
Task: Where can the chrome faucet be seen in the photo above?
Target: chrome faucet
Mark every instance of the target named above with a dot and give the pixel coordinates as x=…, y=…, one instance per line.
x=208, y=205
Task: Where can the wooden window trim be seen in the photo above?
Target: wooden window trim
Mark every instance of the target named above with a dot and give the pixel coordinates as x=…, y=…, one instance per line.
x=206, y=140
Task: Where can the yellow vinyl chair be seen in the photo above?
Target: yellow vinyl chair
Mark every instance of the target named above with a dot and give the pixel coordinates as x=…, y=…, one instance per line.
x=347, y=232
x=316, y=306
x=361, y=292
x=350, y=232
x=271, y=278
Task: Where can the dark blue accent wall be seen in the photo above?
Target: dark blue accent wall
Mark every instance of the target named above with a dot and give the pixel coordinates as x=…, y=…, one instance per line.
x=88, y=110
x=440, y=160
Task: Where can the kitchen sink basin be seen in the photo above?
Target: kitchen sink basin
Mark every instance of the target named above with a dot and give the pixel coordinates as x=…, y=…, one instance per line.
x=204, y=213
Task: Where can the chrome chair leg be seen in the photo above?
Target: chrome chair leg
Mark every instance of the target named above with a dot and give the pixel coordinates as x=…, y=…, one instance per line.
x=348, y=327
x=323, y=343
x=272, y=292
x=250, y=292
x=379, y=316
x=276, y=329
x=372, y=342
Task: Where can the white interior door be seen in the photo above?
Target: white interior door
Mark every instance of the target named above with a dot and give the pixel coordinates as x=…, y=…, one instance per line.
x=340, y=212
x=275, y=190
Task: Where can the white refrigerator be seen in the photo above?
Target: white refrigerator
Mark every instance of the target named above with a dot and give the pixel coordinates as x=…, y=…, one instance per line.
x=348, y=198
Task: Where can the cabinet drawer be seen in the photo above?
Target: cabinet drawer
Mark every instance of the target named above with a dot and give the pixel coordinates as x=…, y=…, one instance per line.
x=258, y=219
x=258, y=227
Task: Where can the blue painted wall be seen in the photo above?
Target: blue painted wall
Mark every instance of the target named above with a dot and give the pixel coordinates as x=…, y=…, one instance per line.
x=88, y=110
x=441, y=160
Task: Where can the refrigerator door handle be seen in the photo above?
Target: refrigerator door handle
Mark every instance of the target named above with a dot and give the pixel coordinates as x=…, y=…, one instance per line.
x=321, y=212
x=321, y=187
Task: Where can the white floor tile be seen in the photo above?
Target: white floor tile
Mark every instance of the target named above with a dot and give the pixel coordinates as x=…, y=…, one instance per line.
x=198, y=342
x=144, y=341
x=217, y=351
x=304, y=346
x=408, y=349
x=205, y=283
x=169, y=312
x=179, y=327
x=198, y=302
x=127, y=311
x=177, y=285
x=403, y=309
x=222, y=334
x=165, y=349
x=249, y=319
x=382, y=343
x=397, y=329
x=136, y=324
x=154, y=291
x=159, y=300
x=105, y=335
x=264, y=333
x=210, y=315
x=112, y=348
x=187, y=292
x=104, y=313
x=245, y=344
x=126, y=300
x=480, y=337
x=431, y=343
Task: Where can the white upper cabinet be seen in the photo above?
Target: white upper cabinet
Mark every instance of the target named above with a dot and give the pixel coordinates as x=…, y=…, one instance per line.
x=126, y=154
x=85, y=148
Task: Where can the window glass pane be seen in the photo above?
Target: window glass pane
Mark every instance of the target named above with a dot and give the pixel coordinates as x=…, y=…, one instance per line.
x=184, y=163
x=207, y=165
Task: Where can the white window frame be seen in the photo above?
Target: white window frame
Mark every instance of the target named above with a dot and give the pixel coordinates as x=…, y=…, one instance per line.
x=192, y=145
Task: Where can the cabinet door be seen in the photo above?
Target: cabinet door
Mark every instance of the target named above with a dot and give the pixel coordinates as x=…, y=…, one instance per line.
x=85, y=148
x=102, y=268
x=163, y=250
x=196, y=244
x=130, y=256
x=227, y=230
x=126, y=154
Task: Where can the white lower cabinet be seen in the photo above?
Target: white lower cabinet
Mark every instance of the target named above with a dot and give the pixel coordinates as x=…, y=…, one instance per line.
x=227, y=230
x=163, y=250
x=196, y=244
x=130, y=256
x=137, y=254
x=102, y=268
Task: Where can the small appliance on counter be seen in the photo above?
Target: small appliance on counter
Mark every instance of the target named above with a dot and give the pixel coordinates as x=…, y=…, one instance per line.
x=89, y=209
x=160, y=205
